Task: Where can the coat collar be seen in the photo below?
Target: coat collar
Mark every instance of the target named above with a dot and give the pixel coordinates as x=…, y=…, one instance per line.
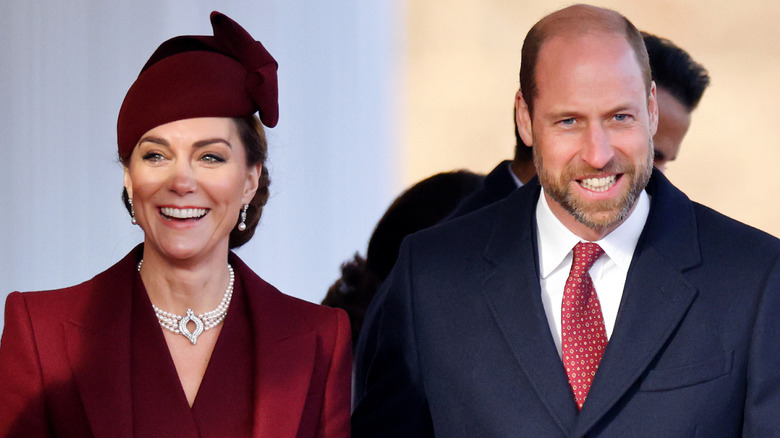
x=655, y=286
x=500, y=180
x=284, y=353
x=98, y=345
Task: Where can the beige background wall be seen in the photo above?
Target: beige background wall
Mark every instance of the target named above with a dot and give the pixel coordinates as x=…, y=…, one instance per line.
x=461, y=77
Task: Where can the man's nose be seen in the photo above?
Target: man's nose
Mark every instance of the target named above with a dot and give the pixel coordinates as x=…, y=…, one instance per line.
x=597, y=150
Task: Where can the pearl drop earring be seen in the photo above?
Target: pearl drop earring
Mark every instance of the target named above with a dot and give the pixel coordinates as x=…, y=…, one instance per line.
x=132, y=211
x=242, y=224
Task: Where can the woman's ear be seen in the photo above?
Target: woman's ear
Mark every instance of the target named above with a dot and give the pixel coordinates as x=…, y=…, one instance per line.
x=128, y=183
x=252, y=182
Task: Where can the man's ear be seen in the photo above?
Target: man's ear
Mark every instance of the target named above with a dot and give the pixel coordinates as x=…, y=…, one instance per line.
x=523, y=119
x=652, y=108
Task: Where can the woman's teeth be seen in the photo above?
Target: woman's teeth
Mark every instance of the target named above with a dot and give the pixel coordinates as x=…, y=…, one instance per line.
x=183, y=213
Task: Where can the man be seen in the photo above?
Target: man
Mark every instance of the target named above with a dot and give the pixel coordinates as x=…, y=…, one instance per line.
x=495, y=325
x=680, y=83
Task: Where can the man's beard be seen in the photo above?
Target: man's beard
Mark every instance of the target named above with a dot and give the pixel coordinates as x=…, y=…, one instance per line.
x=596, y=215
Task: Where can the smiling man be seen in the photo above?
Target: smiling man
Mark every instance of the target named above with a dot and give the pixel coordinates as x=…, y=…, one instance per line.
x=596, y=300
x=680, y=84
x=594, y=114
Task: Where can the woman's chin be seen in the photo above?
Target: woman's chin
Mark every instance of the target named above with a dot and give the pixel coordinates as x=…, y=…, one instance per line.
x=184, y=249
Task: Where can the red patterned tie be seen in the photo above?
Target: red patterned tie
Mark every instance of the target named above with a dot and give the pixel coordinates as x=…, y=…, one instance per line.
x=583, y=336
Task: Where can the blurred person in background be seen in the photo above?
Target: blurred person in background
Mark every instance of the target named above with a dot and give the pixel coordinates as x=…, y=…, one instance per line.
x=680, y=83
x=421, y=206
x=505, y=178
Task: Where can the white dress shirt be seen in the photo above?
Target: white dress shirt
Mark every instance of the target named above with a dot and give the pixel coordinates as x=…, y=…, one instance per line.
x=556, y=244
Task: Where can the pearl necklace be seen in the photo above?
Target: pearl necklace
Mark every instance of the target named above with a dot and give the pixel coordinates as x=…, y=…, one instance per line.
x=204, y=321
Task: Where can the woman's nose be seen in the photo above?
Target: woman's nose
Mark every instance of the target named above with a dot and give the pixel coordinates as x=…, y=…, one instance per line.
x=182, y=179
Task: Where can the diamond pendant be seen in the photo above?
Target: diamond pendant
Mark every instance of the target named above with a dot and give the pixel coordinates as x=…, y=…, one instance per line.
x=192, y=336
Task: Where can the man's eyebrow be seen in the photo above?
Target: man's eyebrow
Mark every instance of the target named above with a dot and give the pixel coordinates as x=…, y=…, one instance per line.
x=623, y=108
x=562, y=114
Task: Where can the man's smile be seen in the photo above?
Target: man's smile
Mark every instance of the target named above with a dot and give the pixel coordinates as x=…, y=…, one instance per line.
x=601, y=184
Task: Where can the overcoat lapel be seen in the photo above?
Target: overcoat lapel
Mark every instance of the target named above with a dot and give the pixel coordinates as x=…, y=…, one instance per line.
x=284, y=353
x=284, y=357
x=103, y=331
x=655, y=299
x=654, y=286
x=512, y=290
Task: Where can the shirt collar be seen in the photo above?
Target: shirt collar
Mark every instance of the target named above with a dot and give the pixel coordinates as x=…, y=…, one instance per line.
x=517, y=181
x=556, y=241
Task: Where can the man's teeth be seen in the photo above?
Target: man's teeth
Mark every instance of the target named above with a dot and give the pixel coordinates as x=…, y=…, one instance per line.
x=183, y=213
x=599, y=184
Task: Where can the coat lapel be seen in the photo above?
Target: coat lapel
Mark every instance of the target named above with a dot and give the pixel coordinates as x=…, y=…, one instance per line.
x=511, y=288
x=103, y=331
x=655, y=299
x=283, y=369
x=285, y=354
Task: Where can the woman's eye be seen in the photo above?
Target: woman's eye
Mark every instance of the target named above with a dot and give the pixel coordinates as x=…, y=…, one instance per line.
x=153, y=156
x=212, y=158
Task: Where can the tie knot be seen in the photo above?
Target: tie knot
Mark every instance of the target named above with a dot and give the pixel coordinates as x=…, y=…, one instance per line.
x=585, y=254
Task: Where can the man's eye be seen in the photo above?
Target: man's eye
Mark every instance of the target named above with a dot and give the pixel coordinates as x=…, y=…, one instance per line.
x=567, y=122
x=622, y=117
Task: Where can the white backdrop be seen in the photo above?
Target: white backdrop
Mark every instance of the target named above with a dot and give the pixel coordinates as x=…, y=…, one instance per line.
x=65, y=69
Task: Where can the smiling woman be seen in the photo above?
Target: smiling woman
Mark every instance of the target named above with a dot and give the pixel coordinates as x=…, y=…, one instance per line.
x=181, y=338
x=188, y=181
x=251, y=135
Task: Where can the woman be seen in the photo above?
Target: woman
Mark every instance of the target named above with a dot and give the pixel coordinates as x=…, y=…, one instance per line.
x=181, y=338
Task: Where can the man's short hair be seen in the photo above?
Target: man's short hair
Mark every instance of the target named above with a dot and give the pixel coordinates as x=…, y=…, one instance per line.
x=578, y=19
x=674, y=70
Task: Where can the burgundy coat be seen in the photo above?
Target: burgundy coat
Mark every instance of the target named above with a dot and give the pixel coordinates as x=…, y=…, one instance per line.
x=65, y=360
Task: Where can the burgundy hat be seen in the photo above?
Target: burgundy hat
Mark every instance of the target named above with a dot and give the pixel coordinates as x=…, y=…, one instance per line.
x=227, y=75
